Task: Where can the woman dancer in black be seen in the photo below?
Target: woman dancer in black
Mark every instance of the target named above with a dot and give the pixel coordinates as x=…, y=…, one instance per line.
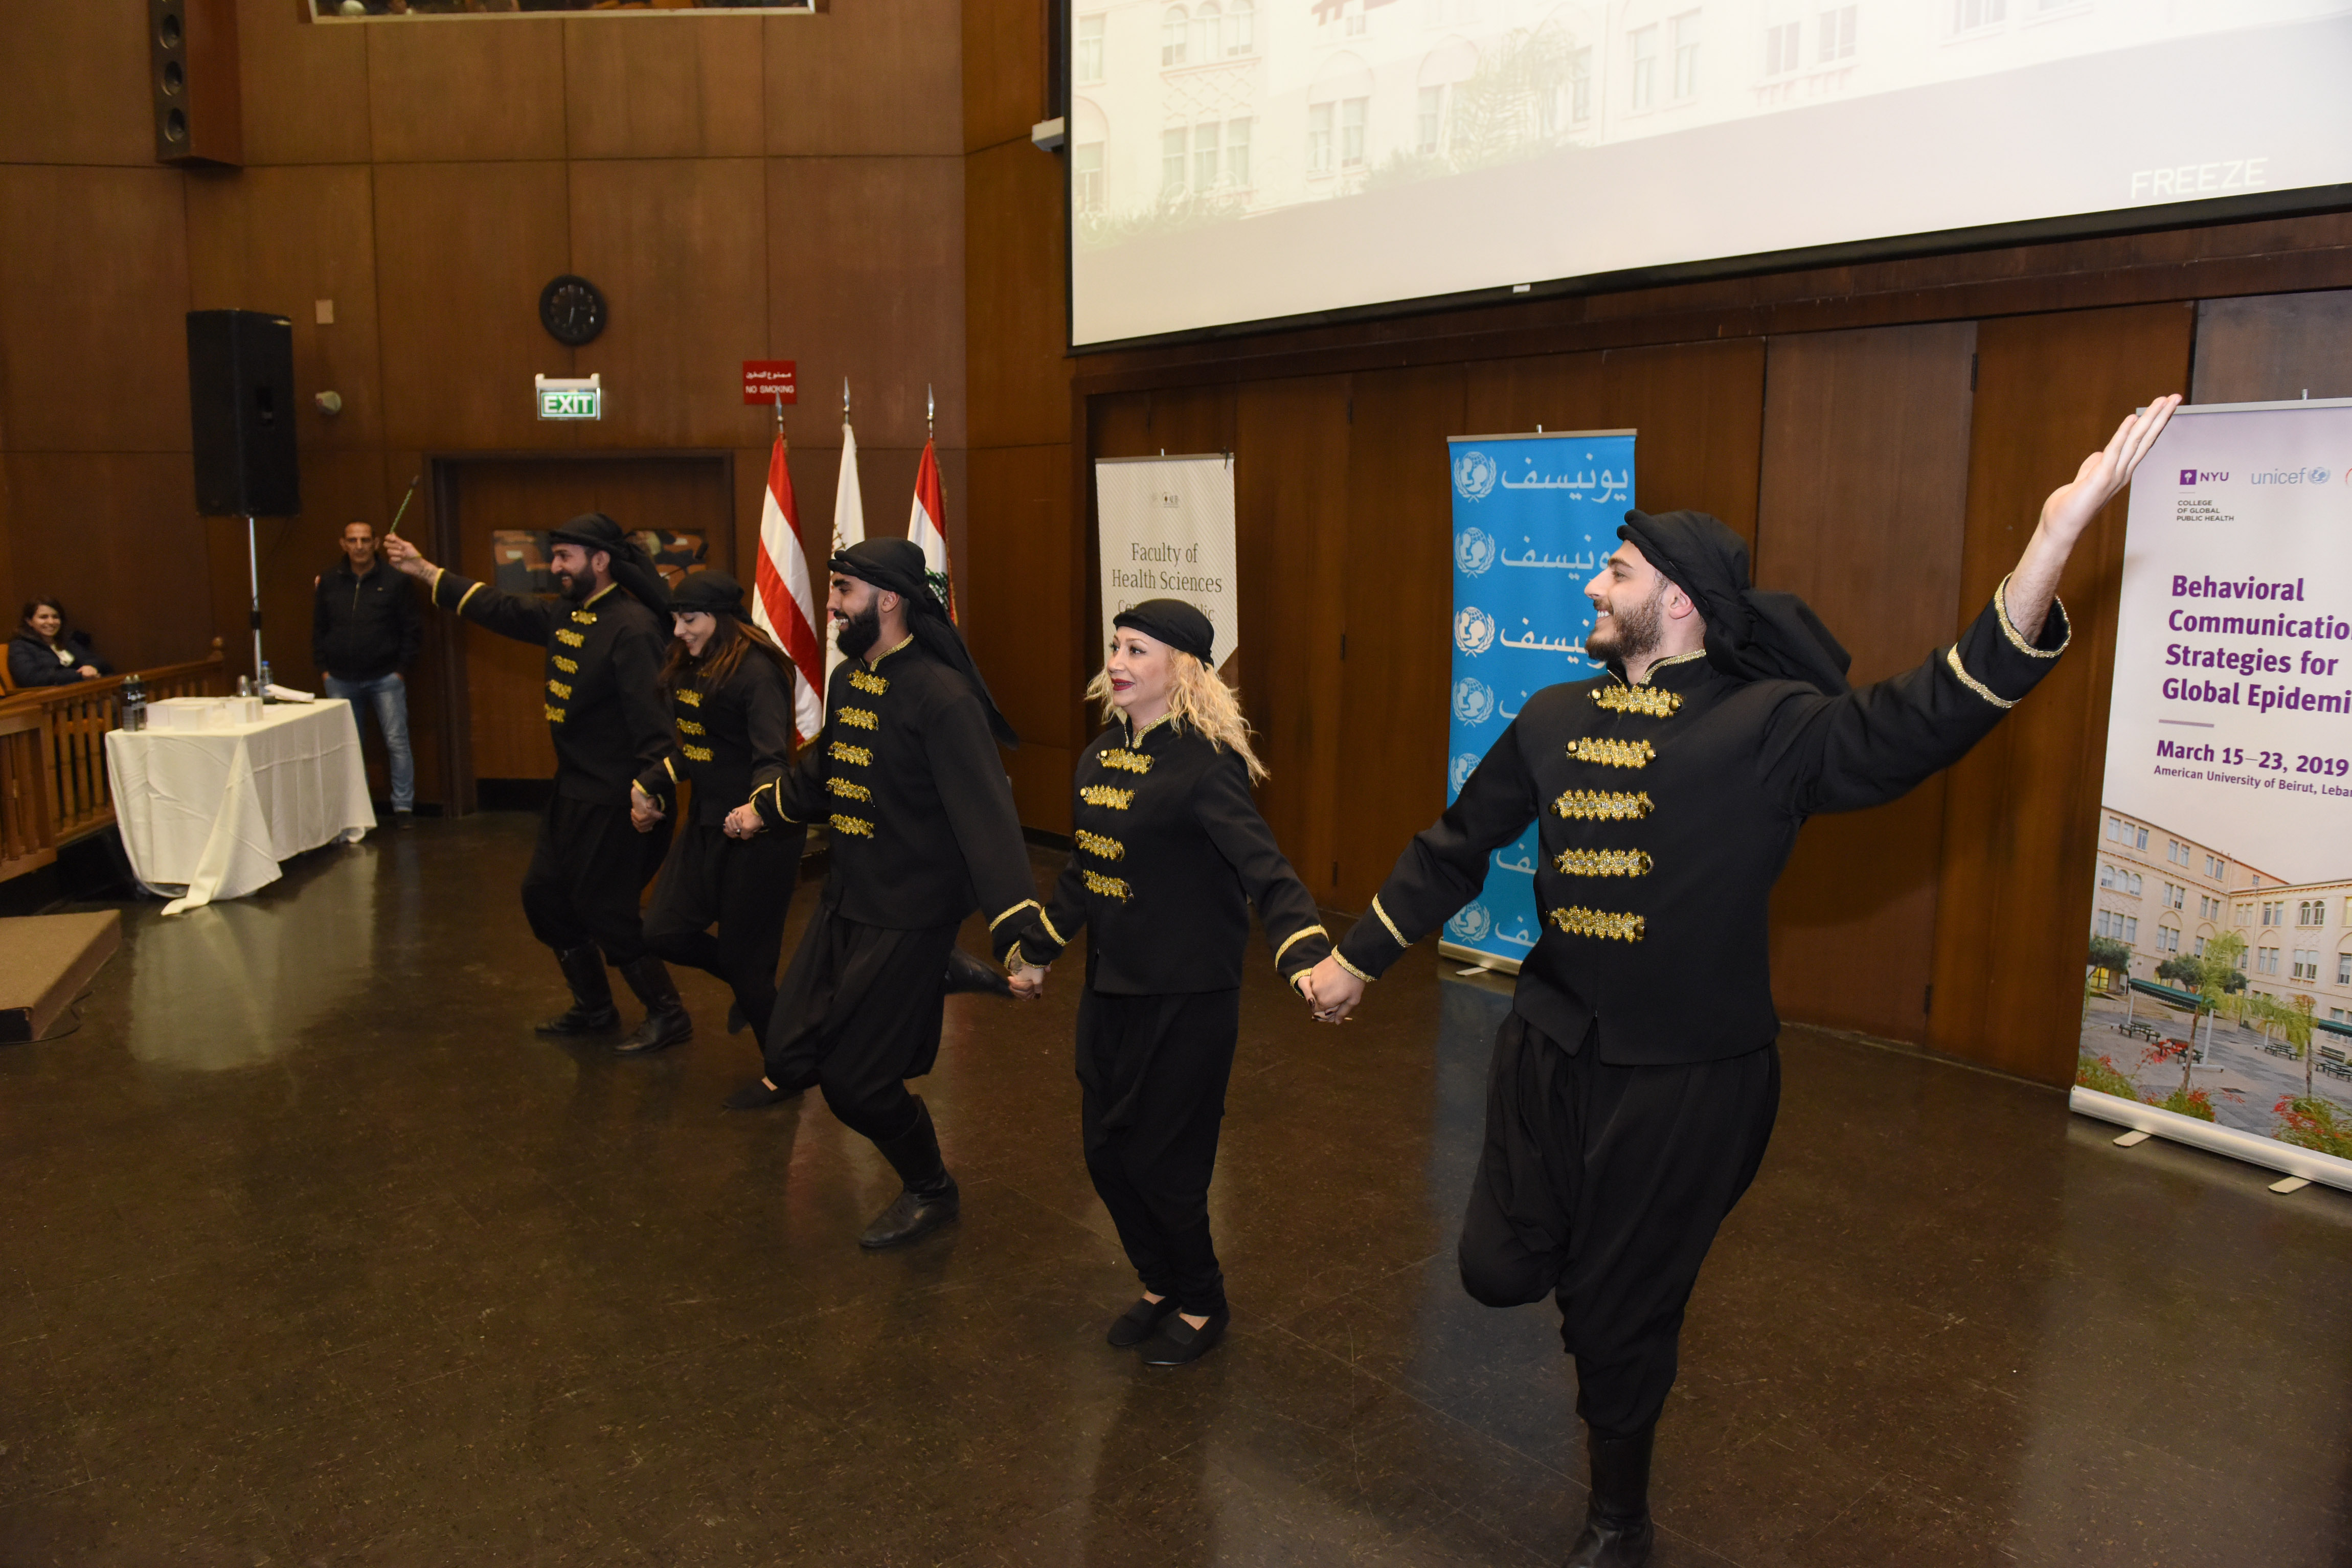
x=1170, y=852
x=735, y=863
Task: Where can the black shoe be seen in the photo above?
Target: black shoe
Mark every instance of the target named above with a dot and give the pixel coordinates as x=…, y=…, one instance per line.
x=1617, y=1530
x=592, y=1011
x=667, y=1023
x=1178, y=1344
x=930, y=1199
x=1133, y=1326
x=966, y=973
x=757, y=1096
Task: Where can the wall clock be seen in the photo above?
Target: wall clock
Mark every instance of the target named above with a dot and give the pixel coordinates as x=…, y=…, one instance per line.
x=572, y=309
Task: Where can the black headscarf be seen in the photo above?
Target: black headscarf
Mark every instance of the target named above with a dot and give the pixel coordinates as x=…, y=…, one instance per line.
x=897, y=566
x=708, y=594
x=632, y=568
x=1754, y=633
x=1173, y=621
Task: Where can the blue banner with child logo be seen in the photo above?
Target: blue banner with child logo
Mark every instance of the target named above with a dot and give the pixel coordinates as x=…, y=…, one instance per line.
x=1534, y=517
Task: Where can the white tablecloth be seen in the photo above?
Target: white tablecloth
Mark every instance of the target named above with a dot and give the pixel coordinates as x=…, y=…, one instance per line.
x=209, y=814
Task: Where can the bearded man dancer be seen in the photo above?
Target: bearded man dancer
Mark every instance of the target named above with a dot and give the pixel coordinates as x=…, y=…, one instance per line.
x=1627, y=1108
x=907, y=777
x=605, y=637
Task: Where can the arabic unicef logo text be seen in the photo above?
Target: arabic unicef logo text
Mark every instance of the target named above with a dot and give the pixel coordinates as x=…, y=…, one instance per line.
x=1464, y=765
x=1472, y=924
x=1475, y=474
x=1474, y=700
x=1474, y=552
x=1474, y=631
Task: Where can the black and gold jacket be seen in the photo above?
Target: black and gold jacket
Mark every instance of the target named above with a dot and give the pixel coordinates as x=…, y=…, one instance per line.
x=1667, y=810
x=603, y=686
x=733, y=740
x=1169, y=853
x=908, y=778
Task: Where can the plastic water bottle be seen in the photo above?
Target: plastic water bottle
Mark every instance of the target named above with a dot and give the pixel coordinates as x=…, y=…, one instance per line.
x=134, y=704
x=261, y=686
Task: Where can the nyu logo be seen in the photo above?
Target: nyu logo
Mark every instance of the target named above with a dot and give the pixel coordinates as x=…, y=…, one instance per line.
x=2191, y=477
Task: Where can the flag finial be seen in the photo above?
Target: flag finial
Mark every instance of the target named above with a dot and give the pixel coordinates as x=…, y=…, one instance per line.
x=779, y=415
x=931, y=409
x=844, y=399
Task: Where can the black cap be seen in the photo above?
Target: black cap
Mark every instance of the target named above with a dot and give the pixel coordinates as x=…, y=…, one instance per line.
x=1173, y=621
x=590, y=530
x=708, y=594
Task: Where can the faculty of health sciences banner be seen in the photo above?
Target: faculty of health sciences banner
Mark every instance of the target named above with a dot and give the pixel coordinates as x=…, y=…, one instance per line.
x=2219, y=1005
x=1165, y=529
x=1534, y=517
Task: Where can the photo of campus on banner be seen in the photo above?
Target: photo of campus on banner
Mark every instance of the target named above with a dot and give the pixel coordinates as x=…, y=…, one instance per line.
x=2217, y=975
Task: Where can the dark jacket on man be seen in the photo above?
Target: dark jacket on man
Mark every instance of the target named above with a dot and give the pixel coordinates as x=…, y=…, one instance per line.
x=364, y=628
x=33, y=662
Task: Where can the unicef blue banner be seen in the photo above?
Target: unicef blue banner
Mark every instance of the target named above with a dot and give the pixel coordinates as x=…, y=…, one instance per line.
x=1534, y=517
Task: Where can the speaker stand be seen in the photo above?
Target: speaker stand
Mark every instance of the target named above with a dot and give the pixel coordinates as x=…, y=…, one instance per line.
x=253, y=579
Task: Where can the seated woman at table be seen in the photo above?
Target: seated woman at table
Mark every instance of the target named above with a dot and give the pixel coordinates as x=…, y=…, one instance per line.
x=43, y=653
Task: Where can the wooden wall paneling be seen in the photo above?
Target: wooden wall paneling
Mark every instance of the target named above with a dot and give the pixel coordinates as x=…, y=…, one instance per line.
x=116, y=535
x=666, y=90
x=1020, y=605
x=1511, y=397
x=680, y=248
x=1398, y=581
x=2273, y=347
x=93, y=296
x=462, y=251
x=867, y=80
x=1699, y=412
x=280, y=240
x=1290, y=482
x=1004, y=71
x=2022, y=811
x=886, y=312
x=452, y=91
x=337, y=487
x=1861, y=511
x=305, y=88
x=1015, y=303
x=73, y=84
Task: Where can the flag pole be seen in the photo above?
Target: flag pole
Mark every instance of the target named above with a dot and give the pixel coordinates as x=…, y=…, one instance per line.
x=930, y=432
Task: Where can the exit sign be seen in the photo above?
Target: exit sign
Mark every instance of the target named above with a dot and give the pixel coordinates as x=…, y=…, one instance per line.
x=570, y=398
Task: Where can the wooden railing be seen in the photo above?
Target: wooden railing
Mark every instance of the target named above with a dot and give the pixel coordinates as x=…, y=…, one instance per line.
x=53, y=787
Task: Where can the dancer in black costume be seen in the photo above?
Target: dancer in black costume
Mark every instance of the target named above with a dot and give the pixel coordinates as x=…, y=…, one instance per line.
x=1633, y=1085
x=1170, y=852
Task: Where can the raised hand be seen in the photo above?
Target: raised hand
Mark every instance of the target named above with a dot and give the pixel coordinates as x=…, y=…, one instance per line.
x=2105, y=472
x=404, y=556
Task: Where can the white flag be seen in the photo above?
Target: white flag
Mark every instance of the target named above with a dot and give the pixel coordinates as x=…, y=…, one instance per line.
x=848, y=529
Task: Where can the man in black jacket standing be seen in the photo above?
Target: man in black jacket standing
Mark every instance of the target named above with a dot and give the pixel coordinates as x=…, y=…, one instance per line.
x=364, y=634
x=907, y=777
x=605, y=638
x=1633, y=1086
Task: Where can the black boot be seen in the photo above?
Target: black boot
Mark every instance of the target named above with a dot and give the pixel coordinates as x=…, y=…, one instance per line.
x=666, y=1022
x=592, y=1011
x=1617, y=1530
x=966, y=973
x=931, y=1198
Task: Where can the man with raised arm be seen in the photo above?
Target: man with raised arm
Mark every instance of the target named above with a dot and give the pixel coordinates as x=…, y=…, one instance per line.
x=606, y=635
x=1633, y=1085
x=907, y=777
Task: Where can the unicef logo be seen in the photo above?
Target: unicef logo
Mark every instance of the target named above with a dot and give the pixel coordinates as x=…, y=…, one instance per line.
x=1475, y=474
x=1474, y=631
x=1472, y=924
x=1464, y=765
x=1474, y=700
x=1474, y=552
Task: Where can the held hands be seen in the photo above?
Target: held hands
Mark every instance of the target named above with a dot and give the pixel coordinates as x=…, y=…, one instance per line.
x=1028, y=981
x=404, y=556
x=644, y=811
x=1330, y=991
x=2105, y=472
x=743, y=821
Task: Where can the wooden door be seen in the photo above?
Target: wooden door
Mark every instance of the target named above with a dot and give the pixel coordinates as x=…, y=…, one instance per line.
x=506, y=717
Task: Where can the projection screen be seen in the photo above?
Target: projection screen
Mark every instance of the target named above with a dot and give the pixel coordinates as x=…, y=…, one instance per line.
x=1246, y=160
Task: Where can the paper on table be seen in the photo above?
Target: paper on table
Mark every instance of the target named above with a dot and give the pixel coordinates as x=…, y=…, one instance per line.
x=289, y=695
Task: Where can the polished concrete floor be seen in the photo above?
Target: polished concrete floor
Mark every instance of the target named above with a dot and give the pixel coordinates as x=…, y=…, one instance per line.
x=311, y=1253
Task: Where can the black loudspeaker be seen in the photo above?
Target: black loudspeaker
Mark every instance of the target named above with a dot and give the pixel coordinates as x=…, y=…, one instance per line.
x=193, y=78
x=241, y=413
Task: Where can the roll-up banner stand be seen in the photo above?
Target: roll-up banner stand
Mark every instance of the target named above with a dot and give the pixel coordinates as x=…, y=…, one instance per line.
x=1165, y=529
x=1534, y=517
x=2216, y=1008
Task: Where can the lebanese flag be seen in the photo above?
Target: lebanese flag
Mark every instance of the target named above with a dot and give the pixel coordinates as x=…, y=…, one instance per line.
x=928, y=523
x=782, y=604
